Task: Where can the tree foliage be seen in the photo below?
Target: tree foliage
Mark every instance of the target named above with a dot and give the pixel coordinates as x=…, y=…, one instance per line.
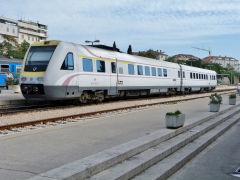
x=129, y=51
x=114, y=45
x=10, y=48
x=149, y=53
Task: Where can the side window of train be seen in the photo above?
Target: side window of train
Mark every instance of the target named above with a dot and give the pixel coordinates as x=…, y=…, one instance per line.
x=113, y=67
x=179, y=74
x=140, y=70
x=196, y=75
x=191, y=75
x=87, y=65
x=68, y=63
x=100, y=66
x=4, y=68
x=153, y=71
x=207, y=77
x=165, y=72
x=131, y=69
x=159, y=71
x=147, y=71
x=183, y=74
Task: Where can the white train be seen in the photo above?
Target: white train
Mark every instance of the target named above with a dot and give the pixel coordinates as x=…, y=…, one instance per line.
x=56, y=70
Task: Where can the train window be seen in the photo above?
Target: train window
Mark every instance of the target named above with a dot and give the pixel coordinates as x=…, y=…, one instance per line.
x=4, y=68
x=196, y=75
x=183, y=74
x=153, y=71
x=87, y=65
x=130, y=69
x=191, y=75
x=140, y=70
x=68, y=62
x=100, y=66
x=18, y=69
x=179, y=74
x=165, y=72
x=207, y=77
x=113, y=66
x=159, y=71
x=147, y=71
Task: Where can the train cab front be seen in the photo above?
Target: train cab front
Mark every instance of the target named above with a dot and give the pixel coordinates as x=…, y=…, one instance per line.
x=34, y=69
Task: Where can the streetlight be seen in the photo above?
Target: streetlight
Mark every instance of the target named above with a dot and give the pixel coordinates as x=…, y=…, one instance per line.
x=96, y=41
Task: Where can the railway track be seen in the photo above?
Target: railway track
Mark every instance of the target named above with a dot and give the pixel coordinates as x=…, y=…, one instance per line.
x=16, y=108
x=63, y=119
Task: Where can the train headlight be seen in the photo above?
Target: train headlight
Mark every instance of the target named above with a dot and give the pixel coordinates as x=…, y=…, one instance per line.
x=40, y=78
x=23, y=79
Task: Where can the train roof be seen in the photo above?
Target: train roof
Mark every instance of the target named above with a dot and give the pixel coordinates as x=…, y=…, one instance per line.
x=4, y=59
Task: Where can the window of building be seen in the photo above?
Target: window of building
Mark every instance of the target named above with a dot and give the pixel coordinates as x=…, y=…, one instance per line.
x=32, y=38
x=7, y=29
x=140, y=70
x=22, y=36
x=13, y=31
x=87, y=65
x=153, y=71
x=113, y=67
x=207, y=77
x=130, y=69
x=68, y=62
x=100, y=66
x=159, y=71
x=165, y=72
x=147, y=71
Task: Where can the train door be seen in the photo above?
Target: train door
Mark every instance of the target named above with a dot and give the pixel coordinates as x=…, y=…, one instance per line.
x=113, y=78
x=113, y=74
x=181, y=78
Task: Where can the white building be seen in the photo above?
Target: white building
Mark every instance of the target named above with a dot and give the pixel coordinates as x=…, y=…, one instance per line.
x=22, y=30
x=224, y=61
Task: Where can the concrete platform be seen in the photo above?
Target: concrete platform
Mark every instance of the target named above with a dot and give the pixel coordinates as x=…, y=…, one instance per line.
x=24, y=155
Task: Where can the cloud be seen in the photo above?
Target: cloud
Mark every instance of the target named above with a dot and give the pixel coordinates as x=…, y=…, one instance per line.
x=130, y=21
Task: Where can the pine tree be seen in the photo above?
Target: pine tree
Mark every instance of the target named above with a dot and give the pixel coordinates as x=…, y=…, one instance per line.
x=114, y=46
x=129, y=51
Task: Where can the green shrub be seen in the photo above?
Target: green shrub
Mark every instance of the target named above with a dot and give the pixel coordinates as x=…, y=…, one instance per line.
x=232, y=96
x=176, y=113
x=215, y=99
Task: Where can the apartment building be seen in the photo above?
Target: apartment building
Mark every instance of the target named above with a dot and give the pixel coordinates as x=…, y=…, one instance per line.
x=224, y=61
x=22, y=30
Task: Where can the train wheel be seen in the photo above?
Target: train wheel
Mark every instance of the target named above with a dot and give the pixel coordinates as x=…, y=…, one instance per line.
x=84, y=97
x=100, y=97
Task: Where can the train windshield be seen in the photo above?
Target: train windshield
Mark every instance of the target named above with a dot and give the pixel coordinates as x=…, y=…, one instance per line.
x=38, y=58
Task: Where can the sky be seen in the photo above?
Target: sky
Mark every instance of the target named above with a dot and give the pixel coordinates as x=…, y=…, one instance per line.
x=173, y=26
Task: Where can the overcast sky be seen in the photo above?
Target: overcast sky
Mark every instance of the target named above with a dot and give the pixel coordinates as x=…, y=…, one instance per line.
x=174, y=26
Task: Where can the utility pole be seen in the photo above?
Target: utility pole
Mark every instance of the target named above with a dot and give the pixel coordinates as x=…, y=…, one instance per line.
x=208, y=50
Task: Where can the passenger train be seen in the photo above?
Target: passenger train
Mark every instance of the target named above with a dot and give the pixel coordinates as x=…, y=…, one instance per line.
x=56, y=70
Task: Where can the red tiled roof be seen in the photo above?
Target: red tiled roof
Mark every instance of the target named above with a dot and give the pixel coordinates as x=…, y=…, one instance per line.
x=185, y=56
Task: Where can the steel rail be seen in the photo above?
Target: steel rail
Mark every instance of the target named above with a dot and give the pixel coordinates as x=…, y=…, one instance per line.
x=81, y=115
